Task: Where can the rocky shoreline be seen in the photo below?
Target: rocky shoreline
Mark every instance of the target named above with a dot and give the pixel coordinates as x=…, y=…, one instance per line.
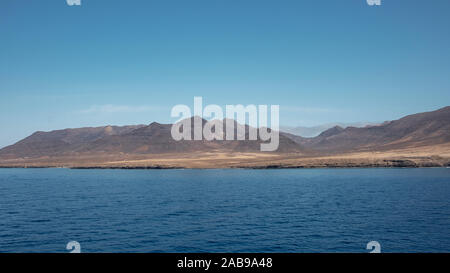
x=325, y=165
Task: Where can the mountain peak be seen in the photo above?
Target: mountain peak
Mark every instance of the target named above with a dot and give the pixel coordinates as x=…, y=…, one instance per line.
x=332, y=131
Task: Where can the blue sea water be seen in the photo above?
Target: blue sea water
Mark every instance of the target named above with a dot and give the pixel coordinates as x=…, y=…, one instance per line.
x=301, y=210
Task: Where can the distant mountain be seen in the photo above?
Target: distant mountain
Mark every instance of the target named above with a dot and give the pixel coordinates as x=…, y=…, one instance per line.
x=317, y=130
x=424, y=129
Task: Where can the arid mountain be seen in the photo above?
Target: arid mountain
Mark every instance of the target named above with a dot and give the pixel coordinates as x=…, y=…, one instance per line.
x=416, y=140
x=314, y=131
x=424, y=129
x=61, y=141
x=151, y=139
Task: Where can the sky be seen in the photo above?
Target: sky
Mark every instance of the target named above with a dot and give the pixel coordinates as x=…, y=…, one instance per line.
x=129, y=62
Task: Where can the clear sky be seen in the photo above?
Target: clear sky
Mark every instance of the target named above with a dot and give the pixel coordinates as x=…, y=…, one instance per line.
x=128, y=61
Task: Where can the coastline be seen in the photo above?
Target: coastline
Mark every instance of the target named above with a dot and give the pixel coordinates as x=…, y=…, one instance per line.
x=423, y=157
x=234, y=168
x=391, y=163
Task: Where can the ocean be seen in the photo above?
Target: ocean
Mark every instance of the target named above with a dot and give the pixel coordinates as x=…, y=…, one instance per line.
x=225, y=210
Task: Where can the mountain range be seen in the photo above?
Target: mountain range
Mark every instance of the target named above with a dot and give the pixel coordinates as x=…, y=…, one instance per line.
x=314, y=131
x=423, y=137
x=423, y=129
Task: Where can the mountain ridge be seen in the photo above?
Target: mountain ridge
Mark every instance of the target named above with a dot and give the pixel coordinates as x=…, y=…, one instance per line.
x=421, y=129
x=423, y=136
x=134, y=139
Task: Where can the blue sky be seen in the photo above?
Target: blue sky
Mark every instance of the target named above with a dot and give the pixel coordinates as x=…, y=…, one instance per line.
x=128, y=62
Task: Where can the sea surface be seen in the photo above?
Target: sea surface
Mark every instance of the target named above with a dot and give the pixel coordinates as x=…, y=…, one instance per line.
x=234, y=210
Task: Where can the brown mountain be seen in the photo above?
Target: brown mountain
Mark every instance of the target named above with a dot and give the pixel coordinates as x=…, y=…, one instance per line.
x=140, y=140
x=416, y=140
x=424, y=129
x=61, y=141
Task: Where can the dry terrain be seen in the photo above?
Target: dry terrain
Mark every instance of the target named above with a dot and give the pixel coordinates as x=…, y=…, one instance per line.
x=434, y=156
x=419, y=140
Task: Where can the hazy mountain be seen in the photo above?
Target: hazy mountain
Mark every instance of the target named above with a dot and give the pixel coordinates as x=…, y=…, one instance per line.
x=316, y=130
x=424, y=129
